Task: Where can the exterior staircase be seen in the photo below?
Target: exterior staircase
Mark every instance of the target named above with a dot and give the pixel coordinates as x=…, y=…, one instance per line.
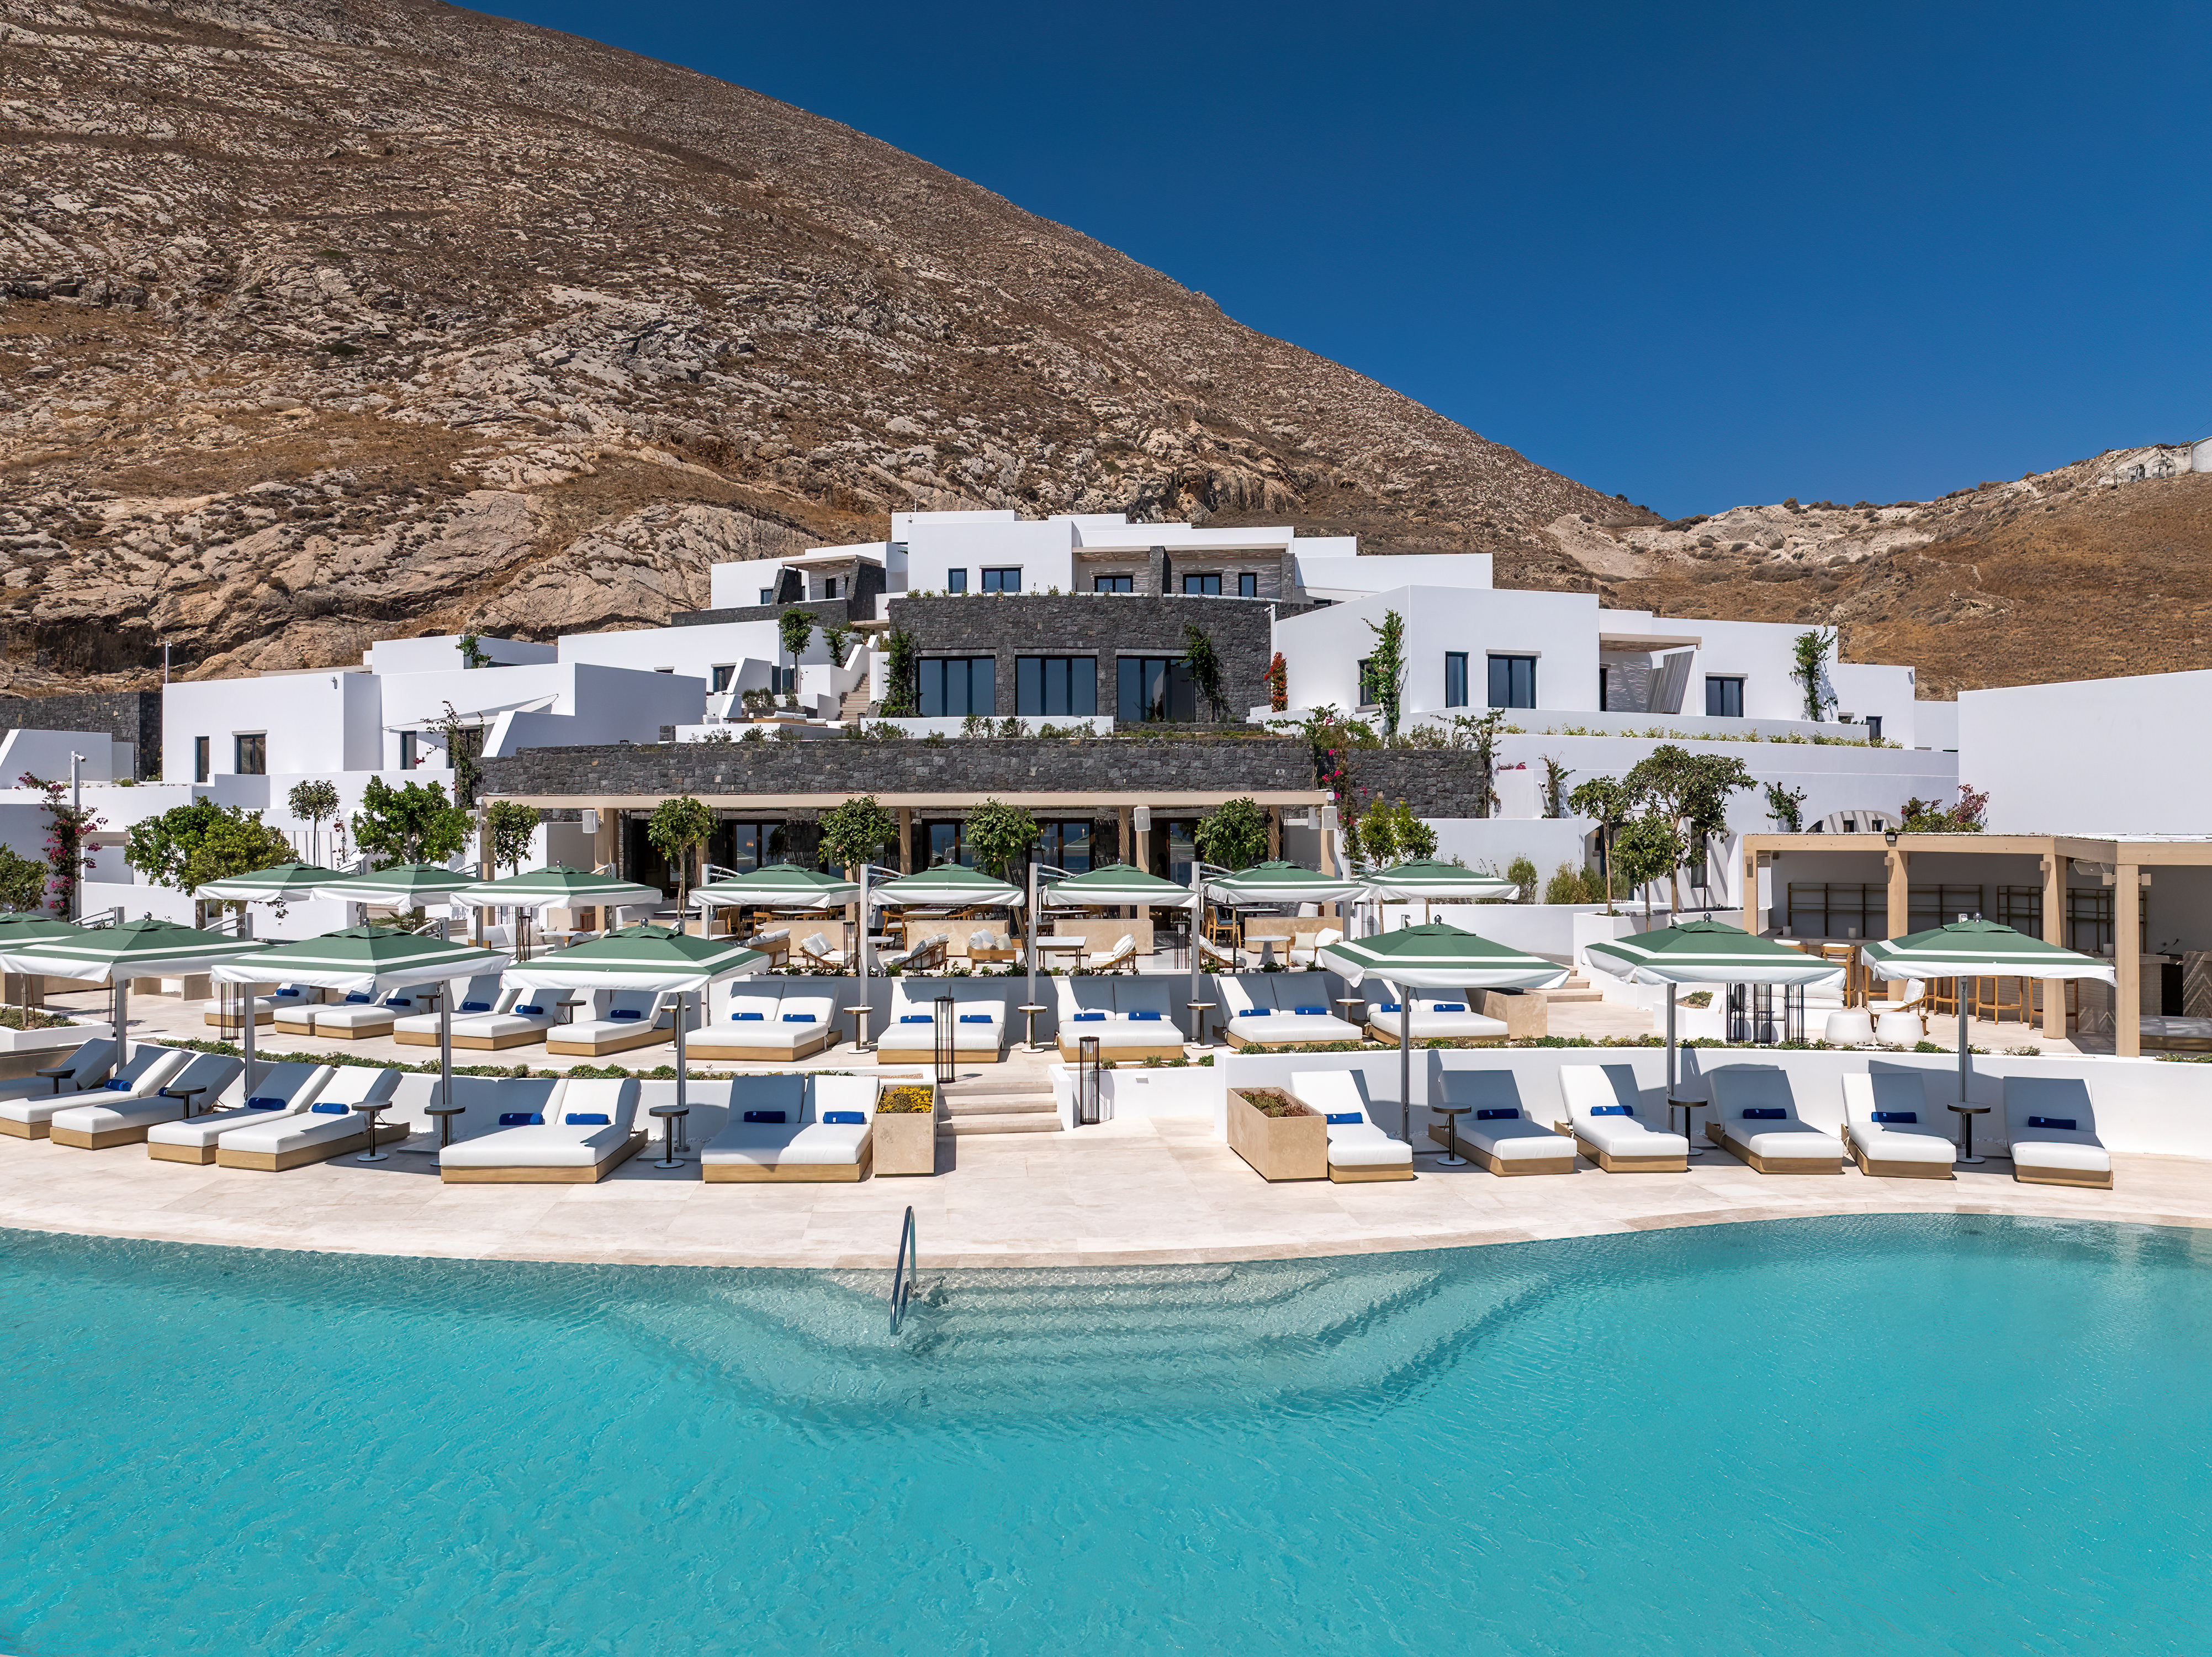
x=995, y=1104
x=855, y=704
x=1577, y=988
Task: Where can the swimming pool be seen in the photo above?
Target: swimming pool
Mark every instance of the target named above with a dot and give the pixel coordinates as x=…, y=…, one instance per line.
x=1933, y=1434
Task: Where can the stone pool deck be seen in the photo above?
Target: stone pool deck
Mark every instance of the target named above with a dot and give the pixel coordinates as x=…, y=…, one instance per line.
x=1144, y=1190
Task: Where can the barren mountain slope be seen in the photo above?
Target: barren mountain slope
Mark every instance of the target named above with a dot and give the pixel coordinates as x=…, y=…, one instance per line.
x=2100, y=568
x=324, y=319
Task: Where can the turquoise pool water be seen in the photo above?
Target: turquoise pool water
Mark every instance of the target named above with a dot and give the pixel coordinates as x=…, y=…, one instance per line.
x=1940, y=1435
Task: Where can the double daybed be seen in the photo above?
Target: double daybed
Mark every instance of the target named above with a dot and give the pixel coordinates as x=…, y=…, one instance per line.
x=1133, y=1016
x=979, y=1022
x=1276, y=1009
x=749, y=1021
x=576, y=1131
x=612, y=1021
x=794, y=1129
x=1437, y=1016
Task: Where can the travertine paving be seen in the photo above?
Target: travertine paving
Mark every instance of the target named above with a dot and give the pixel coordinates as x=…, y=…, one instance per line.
x=1139, y=1190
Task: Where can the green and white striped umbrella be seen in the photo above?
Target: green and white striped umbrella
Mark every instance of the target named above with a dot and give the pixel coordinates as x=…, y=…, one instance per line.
x=557, y=886
x=951, y=886
x=361, y=959
x=637, y=958
x=135, y=950
x=1707, y=952
x=1440, y=957
x=782, y=885
x=1281, y=882
x=407, y=885
x=1118, y=883
x=20, y=932
x=279, y=882
x=1430, y=880
x=1977, y=949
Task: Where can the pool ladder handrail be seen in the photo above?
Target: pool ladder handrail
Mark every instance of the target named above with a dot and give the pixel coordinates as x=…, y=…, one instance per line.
x=903, y=1273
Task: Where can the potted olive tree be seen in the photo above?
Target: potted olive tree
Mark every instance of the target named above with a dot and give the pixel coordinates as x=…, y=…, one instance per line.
x=1281, y=1138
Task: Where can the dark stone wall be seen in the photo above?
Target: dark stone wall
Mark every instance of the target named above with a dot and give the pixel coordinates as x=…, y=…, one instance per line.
x=126, y=716
x=1434, y=782
x=822, y=610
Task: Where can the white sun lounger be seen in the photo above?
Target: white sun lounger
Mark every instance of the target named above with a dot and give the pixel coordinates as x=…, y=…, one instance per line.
x=1754, y=1119
x=40, y=1096
x=827, y=1133
x=225, y=1015
x=577, y=1137
x=979, y=1022
x=1310, y=955
x=1436, y=1017
x=631, y=1017
x=100, y=1123
x=482, y=995
x=2054, y=1133
x=1357, y=1149
x=1605, y=1114
x=1883, y=1114
x=295, y=1005
x=1497, y=1131
x=283, y=1090
x=361, y=1015
x=1277, y=1009
x=520, y=1018
x=764, y=1027
x=327, y=1128
x=144, y=1073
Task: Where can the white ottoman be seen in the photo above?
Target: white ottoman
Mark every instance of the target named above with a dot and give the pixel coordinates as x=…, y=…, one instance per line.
x=1849, y=1029
x=1901, y=1028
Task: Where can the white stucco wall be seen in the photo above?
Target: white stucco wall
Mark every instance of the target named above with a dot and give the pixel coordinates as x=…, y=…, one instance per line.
x=2105, y=756
x=314, y=721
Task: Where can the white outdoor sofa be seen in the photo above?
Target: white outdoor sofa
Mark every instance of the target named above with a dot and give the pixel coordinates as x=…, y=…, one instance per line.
x=480, y=996
x=1883, y=1115
x=1604, y=1114
x=575, y=1133
x=1133, y=1016
x=1358, y=1150
x=283, y=1090
x=979, y=1027
x=1754, y=1119
x=327, y=1128
x=2054, y=1133
x=101, y=1121
x=28, y=1104
x=749, y=1021
x=616, y=1020
x=1437, y=1016
x=794, y=1129
x=1277, y=1009
x=1496, y=1131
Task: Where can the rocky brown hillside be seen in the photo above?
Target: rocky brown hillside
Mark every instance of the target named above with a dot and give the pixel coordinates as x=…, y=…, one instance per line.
x=2100, y=568
x=330, y=319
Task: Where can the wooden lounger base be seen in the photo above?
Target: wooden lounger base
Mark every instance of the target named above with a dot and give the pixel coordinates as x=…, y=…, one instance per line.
x=590, y=1174
x=1874, y=1170
x=1563, y=1163
x=725, y=1053
x=1759, y=1164
x=600, y=1049
x=493, y=1044
x=106, y=1140
x=300, y=1028
x=355, y=1032
x=25, y=1129
x=1344, y=1176
x=796, y=1173
x=388, y=1133
x=2081, y=1177
x=1612, y=1164
x=417, y=1038
x=1376, y=1034
x=232, y=1021
x=197, y=1155
x=924, y=1056
x=1161, y=1050
x=1236, y=1039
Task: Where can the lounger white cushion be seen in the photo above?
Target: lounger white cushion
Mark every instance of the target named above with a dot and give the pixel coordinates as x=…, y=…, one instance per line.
x=627, y=1011
x=1263, y=1007
x=282, y=1090
x=331, y=1119
x=1739, y=1090
x=979, y=1017
x=481, y=996
x=801, y=1138
x=136, y=1112
x=1485, y=1126
x=362, y=1015
x=144, y=1073
x=1126, y=1013
x=1354, y=1140
x=791, y=1026
x=1883, y=1115
x=1435, y=1018
x=88, y=1067
x=2037, y=1111
x=589, y=1120
x=1310, y=955
x=1604, y=1106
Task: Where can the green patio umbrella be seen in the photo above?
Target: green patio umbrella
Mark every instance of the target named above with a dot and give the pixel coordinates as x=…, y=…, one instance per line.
x=276, y=884
x=656, y=958
x=405, y=886
x=556, y=886
x=1282, y=882
x=136, y=949
x=366, y=958
x=954, y=885
x=1704, y=952
x=1114, y=886
x=1435, y=957
x=1430, y=880
x=1979, y=949
x=17, y=931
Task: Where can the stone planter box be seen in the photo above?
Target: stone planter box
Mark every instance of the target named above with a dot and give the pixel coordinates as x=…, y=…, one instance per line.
x=1278, y=1147
x=906, y=1140
x=1523, y=1014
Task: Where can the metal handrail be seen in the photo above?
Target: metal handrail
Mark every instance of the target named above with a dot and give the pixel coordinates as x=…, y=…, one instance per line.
x=903, y=1273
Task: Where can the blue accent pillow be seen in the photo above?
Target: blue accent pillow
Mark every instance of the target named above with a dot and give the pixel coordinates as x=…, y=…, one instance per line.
x=975, y=1017
x=2066, y=1122
x=766, y=1116
x=624, y=1013
x=514, y=1118
x=1506, y=1115
x=587, y=1118
x=748, y=1018
x=1311, y=1012
x=915, y=1018
x=1338, y=1117
x=800, y=1018
x=1388, y=1006
x=1897, y=1116
x=264, y=1104
x=531, y=1012
x=475, y=1007
x=1252, y=1012
x=1090, y=1018
x=357, y=998
x=332, y=1110
x=1448, y=1007
x=116, y=1085
x=1146, y=1017
x=286, y=995
x=1611, y=1110
x=1764, y=1114
x=843, y=1118
x=397, y=1001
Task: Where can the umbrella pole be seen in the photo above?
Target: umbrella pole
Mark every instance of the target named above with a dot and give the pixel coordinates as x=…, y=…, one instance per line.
x=1405, y=1065
x=1197, y=926
x=445, y=1047
x=683, y=1070
x=1670, y=1046
x=1965, y=1058
x=247, y=1014
x=1031, y=1000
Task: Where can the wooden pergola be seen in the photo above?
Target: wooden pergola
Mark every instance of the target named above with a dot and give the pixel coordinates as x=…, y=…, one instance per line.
x=2128, y=859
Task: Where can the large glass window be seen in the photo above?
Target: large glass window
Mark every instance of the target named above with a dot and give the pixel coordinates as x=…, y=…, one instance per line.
x=253, y=754
x=410, y=750
x=1455, y=679
x=948, y=845
x=1513, y=681
x=768, y=595
x=1050, y=686
x=745, y=847
x=1247, y=585
x=724, y=673
x=1002, y=580
x=1112, y=584
x=1153, y=688
x=1065, y=845
x=952, y=687
x=956, y=580
x=1209, y=585
x=199, y=759
x=1723, y=697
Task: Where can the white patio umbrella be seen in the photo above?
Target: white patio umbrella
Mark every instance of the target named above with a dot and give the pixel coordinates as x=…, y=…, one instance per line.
x=1435, y=956
x=136, y=949
x=19, y=931
x=1279, y=881
x=276, y=883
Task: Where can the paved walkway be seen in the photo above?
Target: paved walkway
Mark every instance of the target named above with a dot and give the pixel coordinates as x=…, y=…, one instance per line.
x=1142, y=1190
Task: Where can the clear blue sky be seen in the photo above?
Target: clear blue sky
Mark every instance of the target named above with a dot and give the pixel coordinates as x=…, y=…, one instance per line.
x=1698, y=255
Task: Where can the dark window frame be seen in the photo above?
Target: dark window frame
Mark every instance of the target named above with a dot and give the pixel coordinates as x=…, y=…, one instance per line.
x=1721, y=689
x=1035, y=690
x=935, y=676
x=995, y=579
x=1196, y=586
x=1516, y=668
x=1455, y=695
x=1247, y=584
x=956, y=580
x=259, y=739
x=1114, y=583
x=203, y=758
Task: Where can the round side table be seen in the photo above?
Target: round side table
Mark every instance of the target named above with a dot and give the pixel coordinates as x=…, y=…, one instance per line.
x=1685, y=1106
x=860, y=1017
x=1029, y=1011
x=444, y=1113
x=1966, y=1113
x=372, y=1111
x=1451, y=1114
x=184, y=1096
x=1198, y=1010
x=668, y=1115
